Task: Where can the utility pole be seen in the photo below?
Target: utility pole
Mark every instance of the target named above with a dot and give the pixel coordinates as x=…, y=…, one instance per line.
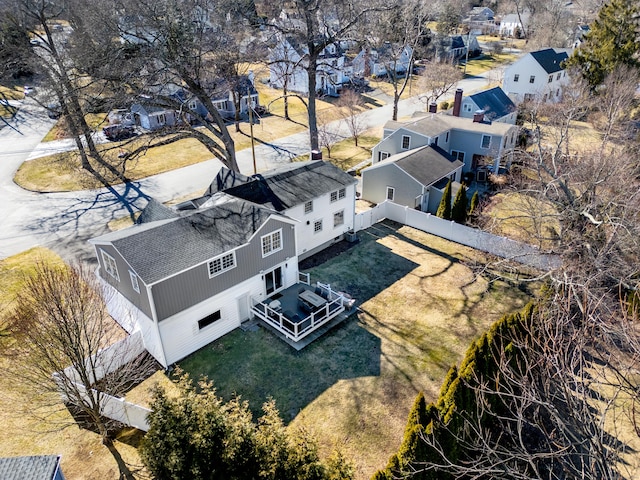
x=253, y=148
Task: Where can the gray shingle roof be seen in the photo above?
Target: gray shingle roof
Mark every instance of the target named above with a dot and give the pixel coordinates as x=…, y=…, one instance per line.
x=292, y=185
x=159, y=249
x=155, y=211
x=494, y=102
x=39, y=467
x=427, y=164
x=431, y=125
x=550, y=59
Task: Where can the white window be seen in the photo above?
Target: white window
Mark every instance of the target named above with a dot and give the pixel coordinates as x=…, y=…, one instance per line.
x=466, y=107
x=271, y=243
x=532, y=79
x=406, y=142
x=134, y=281
x=435, y=141
x=558, y=76
x=110, y=265
x=383, y=155
x=516, y=77
x=338, y=195
x=162, y=119
x=486, y=141
x=317, y=226
x=338, y=218
x=308, y=206
x=391, y=192
x=221, y=264
x=193, y=105
x=457, y=155
x=558, y=93
x=447, y=138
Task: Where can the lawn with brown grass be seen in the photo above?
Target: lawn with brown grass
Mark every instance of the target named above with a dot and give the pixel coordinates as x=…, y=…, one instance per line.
x=485, y=62
x=421, y=304
x=83, y=455
x=63, y=172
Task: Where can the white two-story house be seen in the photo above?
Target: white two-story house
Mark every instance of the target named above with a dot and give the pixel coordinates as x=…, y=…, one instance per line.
x=185, y=276
x=288, y=61
x=538, y=76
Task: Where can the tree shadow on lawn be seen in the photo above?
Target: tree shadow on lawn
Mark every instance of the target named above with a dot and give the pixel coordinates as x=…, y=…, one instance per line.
x=258, y=366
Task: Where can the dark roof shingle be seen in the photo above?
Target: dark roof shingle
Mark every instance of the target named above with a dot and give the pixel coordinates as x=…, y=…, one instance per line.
x=550, y=59
x=494, y=102
x=37, y=467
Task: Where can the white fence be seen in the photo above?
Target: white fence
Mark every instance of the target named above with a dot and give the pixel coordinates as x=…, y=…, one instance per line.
x=500, y=246
x=106, y=361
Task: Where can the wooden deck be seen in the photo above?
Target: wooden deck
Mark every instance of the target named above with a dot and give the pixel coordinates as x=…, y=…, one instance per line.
x=288, y=317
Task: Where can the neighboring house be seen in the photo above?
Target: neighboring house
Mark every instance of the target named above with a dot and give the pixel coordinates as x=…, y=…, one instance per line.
x=494, y=104
x=481, y=14
x=37, y=467
x=288, y=62
x=153, y=117
x=414, y=178
x=473, y=141
x=514, y=25
x=319, y=195
x=375, y=62
x=186, y=276
x=224, y=97
x=455, y=47
x=538, y=76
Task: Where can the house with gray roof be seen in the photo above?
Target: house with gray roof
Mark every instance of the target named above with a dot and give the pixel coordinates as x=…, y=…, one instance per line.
x=288, y=62
x=36, y=467
x=493, y=103
x=153, y=117
x=474, y=141
x=185, y=276
x=415, y=178
x=537, y=76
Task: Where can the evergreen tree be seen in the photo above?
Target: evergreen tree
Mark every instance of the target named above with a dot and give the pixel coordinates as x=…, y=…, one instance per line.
x=459, y=208
x=614, y=40
x=444, y=209
x=474, y=203
x=197, y=435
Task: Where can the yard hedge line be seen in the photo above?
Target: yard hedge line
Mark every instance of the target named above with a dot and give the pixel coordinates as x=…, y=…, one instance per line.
x=446, y=421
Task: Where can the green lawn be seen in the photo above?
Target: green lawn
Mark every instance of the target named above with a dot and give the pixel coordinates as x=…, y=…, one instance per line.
x=420, y=306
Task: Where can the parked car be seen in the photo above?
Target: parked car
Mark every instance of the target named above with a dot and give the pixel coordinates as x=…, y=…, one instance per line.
x=118, y=132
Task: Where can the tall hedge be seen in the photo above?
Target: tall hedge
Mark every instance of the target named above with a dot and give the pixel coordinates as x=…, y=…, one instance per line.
x=444, y=419
x=444, y=209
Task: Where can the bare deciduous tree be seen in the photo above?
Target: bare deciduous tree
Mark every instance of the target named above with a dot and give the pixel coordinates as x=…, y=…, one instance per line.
x=352, y=105
x=327, y=134
x=59, y=333
x=436, y=80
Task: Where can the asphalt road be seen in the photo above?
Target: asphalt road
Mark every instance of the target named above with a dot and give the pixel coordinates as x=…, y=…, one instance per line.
x=64, y=221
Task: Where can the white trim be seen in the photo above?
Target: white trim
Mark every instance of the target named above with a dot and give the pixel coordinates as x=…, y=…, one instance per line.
x=315, y=222
x=109, y=262
x=214, y=273
x=393, y=193
x=408, y=147
x=271, y=249
x=482, y=141
x=310, y=210
x=341, y=213
x=134, y=281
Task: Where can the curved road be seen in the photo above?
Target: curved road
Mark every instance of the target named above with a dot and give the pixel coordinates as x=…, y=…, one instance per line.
x=64, y=221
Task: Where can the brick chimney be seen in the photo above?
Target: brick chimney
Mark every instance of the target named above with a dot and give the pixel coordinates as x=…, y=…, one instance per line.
x=457, y=102
x=433, y=107
x=478, y=116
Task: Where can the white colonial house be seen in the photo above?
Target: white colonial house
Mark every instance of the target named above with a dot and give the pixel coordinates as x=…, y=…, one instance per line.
x=288, y=61
x=537, y=76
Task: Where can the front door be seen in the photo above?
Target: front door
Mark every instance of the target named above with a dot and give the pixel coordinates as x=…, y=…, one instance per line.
x=273, y=280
